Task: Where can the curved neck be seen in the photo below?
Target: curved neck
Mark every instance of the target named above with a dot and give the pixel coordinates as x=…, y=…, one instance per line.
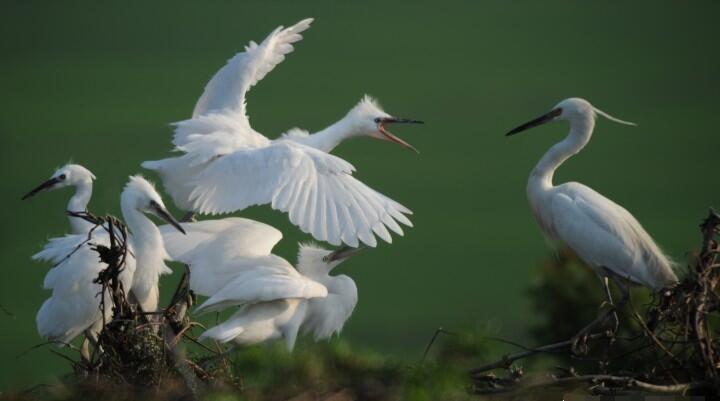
x=580, y=131
x=330, y=137
x=145, y=236
x=78, y=203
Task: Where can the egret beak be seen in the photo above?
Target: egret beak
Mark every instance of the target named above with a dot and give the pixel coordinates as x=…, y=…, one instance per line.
x=392, y=137
x=47, y=185
x=342, y=253
x=545, y=118
x=165, y=215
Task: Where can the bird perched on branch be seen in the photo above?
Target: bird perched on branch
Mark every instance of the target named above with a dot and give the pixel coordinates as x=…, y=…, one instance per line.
x=227, y=166
x=71, y=175
x=602, y=233
x=231, y=262
x=75, y=304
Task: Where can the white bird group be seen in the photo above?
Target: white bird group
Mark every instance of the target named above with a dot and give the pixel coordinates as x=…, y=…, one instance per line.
x=226, y=166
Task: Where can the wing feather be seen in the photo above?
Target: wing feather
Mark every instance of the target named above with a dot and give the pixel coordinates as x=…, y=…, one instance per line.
x=606, y=235
x=227, y=88
x=316, y=189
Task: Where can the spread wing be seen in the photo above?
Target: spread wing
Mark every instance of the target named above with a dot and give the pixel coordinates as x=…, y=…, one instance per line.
x=261, y=280
x=315, y=188
x=227, y=88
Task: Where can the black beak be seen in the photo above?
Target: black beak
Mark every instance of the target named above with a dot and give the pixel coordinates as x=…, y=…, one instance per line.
x=392, y=137
x=42, y=187
x=163, y=214
x=342, y=253
x=545, y=118
x=394, y=120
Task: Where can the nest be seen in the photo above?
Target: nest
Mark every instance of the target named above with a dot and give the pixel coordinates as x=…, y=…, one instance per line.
x=139, y=349
x=670, y=346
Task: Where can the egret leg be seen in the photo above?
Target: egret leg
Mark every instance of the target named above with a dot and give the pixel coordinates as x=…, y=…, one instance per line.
x=606, y=284
x=91, y=338
x=581, y=336
x=85, y=350
x=623, y=289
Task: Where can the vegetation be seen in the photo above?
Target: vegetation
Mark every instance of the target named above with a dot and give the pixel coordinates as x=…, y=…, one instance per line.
x=667, y=343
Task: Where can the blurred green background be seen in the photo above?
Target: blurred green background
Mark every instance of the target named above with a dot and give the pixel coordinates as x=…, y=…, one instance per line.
x=98, y=82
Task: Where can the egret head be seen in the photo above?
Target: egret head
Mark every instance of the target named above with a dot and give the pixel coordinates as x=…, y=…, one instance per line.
x=372, y=121
x=314, y=260
x=571, y=109
x=140, y=194
x=68, y=175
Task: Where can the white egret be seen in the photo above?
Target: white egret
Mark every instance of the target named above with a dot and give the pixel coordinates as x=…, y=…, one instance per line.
x=228, y=166
x=231, y=262
x=76, y=176
x=74, y=306
x=602, y=233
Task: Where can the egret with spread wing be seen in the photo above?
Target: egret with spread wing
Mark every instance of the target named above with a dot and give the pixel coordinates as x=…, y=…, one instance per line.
x=74, y=306
x=601, y=232
x=227, y=166
x=76, y=176
x=231, y=262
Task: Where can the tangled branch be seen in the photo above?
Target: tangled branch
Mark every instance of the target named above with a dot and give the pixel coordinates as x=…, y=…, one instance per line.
x=671, y=345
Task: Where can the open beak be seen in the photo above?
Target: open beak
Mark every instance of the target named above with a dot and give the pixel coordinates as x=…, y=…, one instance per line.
x=42, y=188
x=545, y=118
x=392, y=137
x=163, y=214
x=342, y=253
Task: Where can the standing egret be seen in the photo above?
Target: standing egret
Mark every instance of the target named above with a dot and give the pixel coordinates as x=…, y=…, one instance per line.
x=602, y=233
x=228, y=166
x=74, y=306
x=231, y=263
x=76, y=176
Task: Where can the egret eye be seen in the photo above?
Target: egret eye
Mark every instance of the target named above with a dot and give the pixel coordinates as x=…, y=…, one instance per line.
x=377, y=120
x=62, y=176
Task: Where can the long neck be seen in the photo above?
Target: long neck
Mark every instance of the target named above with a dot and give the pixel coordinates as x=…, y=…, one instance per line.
x=580, y=132
x=146, y=239
x=78, y=203
x=328, y=138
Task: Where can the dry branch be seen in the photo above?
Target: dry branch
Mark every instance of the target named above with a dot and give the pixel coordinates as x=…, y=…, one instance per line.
x=674, y=348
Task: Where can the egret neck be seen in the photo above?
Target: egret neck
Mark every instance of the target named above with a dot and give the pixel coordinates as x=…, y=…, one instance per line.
x=330, y=137
x=149, y=251
x=78, y=203
x=541, y=177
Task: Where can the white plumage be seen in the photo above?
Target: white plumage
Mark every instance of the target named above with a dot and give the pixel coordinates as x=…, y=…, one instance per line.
x=227, y=166
x=601, y=232
x=230, y=262
x=81, y=179
x=74, y=305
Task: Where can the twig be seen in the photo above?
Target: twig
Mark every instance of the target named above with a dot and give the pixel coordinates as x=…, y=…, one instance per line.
x=507, y=360
x=438, y=331
x=623, y=381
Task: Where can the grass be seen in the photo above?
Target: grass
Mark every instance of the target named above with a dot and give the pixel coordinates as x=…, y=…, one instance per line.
x=98, y=84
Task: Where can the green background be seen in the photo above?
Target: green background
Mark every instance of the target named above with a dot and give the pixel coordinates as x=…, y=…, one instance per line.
x=97, y=83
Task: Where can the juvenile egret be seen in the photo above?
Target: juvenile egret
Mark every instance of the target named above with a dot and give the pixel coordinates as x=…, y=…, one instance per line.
x=74, y=306
x=231, y=262
x=602, y=233
x=228, y=166
x=76, y=176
